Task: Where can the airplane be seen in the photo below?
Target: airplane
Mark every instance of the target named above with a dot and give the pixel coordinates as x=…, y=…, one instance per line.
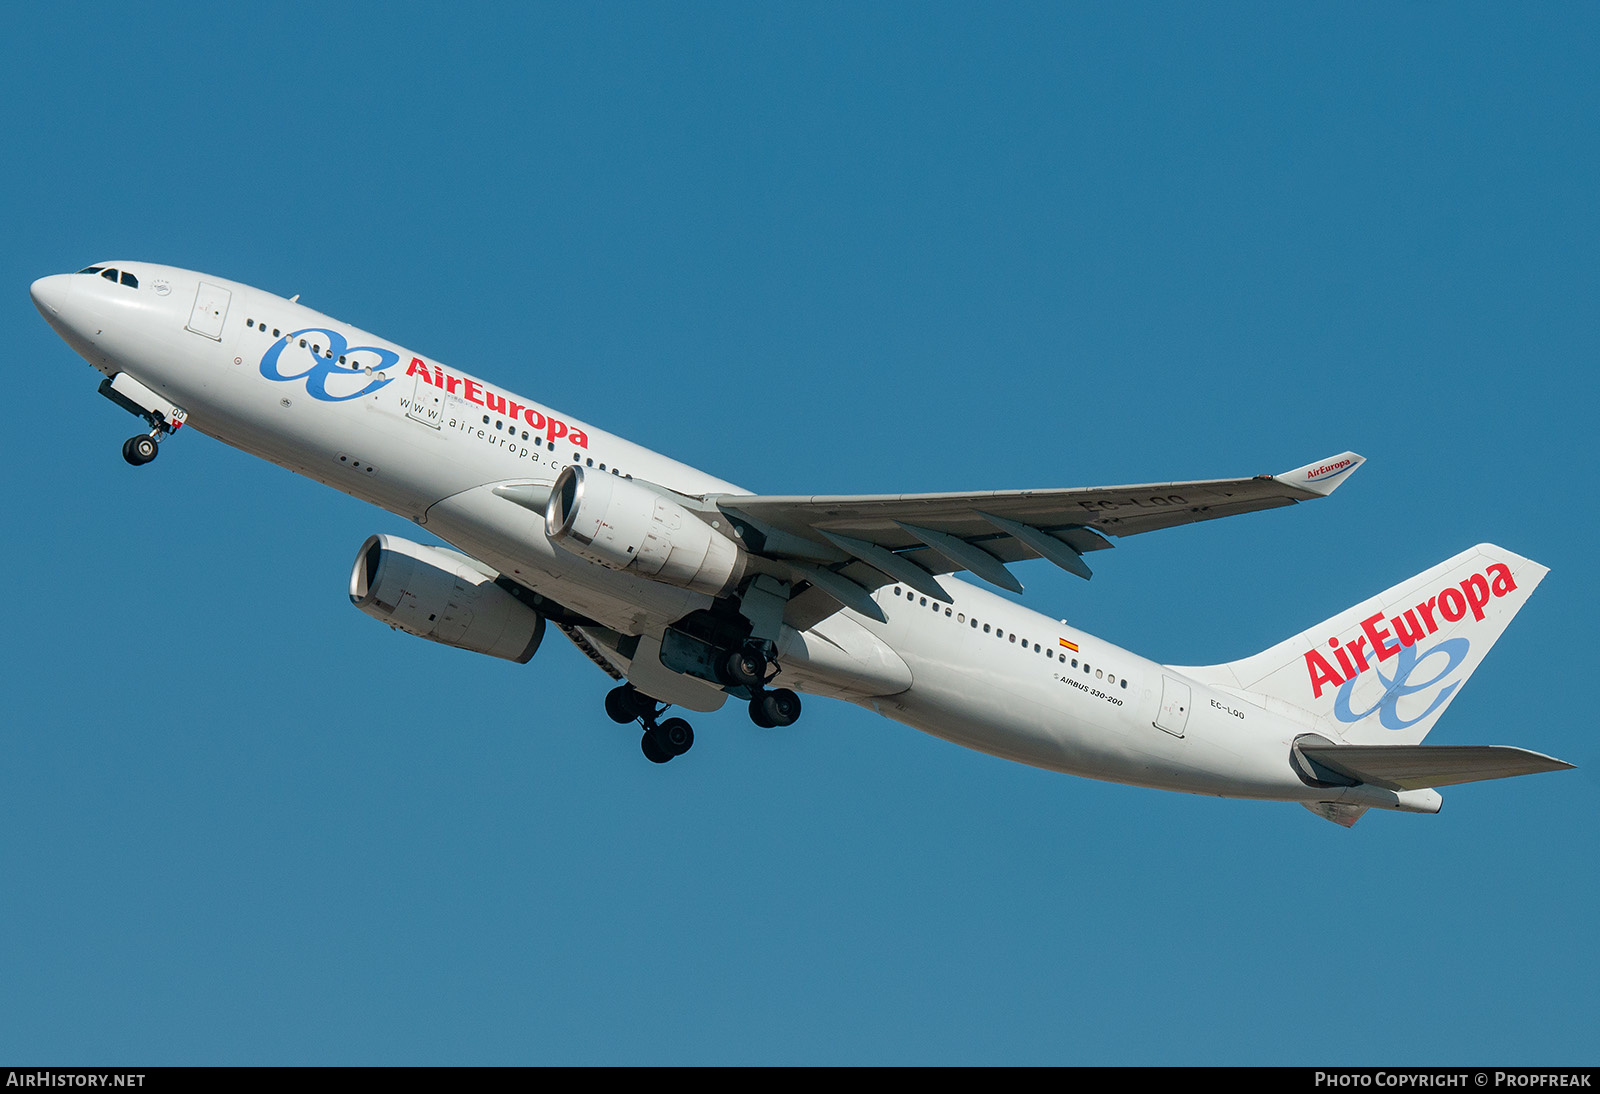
x=688, y=590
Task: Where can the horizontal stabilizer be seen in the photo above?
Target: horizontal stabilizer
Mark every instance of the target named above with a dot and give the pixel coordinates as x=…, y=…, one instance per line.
x=1418, y=767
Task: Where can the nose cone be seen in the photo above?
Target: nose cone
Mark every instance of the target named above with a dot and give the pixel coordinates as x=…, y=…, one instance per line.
x=50, y=294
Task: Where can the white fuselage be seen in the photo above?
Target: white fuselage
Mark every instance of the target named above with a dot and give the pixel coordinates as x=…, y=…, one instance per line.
x=428, y=443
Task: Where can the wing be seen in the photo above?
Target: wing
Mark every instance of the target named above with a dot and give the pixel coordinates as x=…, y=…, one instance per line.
x=845, y=546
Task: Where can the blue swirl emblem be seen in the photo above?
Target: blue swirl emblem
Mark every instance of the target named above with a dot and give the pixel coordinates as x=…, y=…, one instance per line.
x=325, y=364
x=1453, y=650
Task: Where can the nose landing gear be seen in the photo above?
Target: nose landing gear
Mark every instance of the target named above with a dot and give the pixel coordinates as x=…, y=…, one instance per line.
x=661, y=740
x=165, y=418
x=141, y=449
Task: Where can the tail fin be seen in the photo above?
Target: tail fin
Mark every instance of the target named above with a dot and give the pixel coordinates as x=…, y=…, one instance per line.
x=1383, y=671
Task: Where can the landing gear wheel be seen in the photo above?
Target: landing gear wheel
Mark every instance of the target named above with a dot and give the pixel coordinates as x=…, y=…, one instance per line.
x=674, y=736
x=624, y=705
x=745, y=667
x=140, y=450
x=652, y=749
x=772, y=709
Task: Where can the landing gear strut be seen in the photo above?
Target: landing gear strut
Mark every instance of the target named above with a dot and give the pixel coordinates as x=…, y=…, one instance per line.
x=661, y=740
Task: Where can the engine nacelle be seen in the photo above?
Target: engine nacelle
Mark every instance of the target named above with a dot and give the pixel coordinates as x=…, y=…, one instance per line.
x=443, y=596
x=626, y=525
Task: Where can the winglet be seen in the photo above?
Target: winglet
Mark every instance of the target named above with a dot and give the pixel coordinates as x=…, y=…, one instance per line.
x=1324, y=476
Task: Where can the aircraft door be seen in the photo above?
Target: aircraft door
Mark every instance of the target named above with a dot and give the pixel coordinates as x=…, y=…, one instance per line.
x=427, y=404
x=1174, y=712
x=210, y=309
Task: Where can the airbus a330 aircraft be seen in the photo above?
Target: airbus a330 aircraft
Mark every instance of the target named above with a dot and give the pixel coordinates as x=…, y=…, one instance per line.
x=688, y=590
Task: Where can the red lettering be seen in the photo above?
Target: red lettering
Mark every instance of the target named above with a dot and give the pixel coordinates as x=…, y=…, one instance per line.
x=1376, y=635
x=1344, y=658
x=417, y=368
x=450, y=383
x=1503, y=581
x=1426, y=611
x=1452, y=605
x=1355, y=648
x=554, y=428
x=1477, y=589
x=474, y=389
x=516, y=409
x=1321, y=673
x=533, y=417
x=1407, y=629
x=496, y=403
x=579, y=438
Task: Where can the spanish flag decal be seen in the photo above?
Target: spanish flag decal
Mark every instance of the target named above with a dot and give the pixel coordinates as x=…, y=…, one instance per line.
x=1073, y=646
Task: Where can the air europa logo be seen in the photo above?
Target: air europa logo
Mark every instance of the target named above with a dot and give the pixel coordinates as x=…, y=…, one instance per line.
x=473, y=392
x=1327, y=469
x=1450, y=605
x=327, y=364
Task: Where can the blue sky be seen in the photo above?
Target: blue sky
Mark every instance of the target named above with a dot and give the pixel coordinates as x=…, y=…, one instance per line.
x=810, y=248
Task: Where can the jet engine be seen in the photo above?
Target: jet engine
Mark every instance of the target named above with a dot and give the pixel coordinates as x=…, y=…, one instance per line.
x=443, y=596
x=626, y=525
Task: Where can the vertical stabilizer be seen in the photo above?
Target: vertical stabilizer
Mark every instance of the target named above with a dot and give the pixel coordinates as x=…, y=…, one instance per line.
x=1383, y=671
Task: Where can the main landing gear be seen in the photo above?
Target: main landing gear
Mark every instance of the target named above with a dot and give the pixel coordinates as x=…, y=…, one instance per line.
x=750, y=666
x=662, y=740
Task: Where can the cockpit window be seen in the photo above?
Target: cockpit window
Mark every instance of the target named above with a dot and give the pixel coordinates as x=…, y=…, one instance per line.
x=112, y=275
